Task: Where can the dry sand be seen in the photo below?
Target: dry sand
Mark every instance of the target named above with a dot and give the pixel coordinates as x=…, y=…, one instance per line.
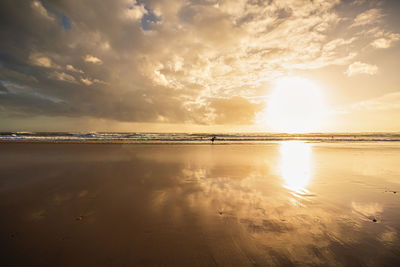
x=200, y=205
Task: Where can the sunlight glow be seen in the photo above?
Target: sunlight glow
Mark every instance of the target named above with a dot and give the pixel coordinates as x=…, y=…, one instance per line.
x=295, y=106
x=296, y=165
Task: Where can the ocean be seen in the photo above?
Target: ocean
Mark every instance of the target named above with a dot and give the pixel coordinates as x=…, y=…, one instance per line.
x=133, y=137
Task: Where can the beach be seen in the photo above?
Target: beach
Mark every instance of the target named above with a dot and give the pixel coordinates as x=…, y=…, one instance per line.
x=276, y=203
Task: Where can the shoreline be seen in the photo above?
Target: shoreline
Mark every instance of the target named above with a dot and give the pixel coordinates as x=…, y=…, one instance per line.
x=218, y=142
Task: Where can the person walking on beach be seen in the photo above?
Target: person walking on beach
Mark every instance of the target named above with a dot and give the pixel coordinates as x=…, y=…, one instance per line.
x=213, y=139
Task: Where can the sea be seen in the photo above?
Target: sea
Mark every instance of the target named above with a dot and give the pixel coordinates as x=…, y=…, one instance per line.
x=222, y=138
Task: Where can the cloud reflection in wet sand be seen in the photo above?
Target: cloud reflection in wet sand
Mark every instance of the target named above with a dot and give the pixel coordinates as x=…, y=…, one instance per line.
x=210, y=205
x=288, y=224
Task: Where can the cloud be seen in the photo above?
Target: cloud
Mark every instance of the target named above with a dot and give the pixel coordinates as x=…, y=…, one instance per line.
x=386, y=41
x=198, y=60
x=41, y=61
x=39, y=8
x=73, y=69
x=62, y=76
x=24, y=104
x=100, y=81
x=371, y=16
x=7, y=74
x=381, y=43
x=3, y=88
x=358, y=2
x=93, y=59
x=86, y=81
x=89, y=81
x=234, y=110
x=361, y=68
x=20, y=101
x=389, y=101
x=134, y=12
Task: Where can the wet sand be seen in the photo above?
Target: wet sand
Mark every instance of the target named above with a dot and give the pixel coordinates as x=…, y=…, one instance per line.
x=287, y=203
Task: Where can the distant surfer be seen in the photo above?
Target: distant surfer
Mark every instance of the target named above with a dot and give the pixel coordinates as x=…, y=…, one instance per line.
x=213, y=139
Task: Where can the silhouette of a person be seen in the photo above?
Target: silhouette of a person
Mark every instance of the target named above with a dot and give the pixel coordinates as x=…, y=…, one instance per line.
x=213, y=139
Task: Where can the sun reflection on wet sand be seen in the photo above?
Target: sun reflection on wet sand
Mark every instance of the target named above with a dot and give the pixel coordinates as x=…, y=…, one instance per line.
x=296, y=165
x=205, y=205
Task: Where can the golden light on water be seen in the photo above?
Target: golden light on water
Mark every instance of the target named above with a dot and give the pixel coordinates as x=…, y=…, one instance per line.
x=296, y=165
x=295, y=105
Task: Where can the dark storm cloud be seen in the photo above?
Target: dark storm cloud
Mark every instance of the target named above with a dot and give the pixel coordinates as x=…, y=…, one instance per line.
x=22, y=105
x=40, y=41
x=92, y=57
x=3, y=88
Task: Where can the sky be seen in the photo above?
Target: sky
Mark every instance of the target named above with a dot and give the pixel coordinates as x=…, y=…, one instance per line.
x=200, y=65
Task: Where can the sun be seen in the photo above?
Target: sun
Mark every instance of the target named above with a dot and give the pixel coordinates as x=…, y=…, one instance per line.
x=295, y=105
